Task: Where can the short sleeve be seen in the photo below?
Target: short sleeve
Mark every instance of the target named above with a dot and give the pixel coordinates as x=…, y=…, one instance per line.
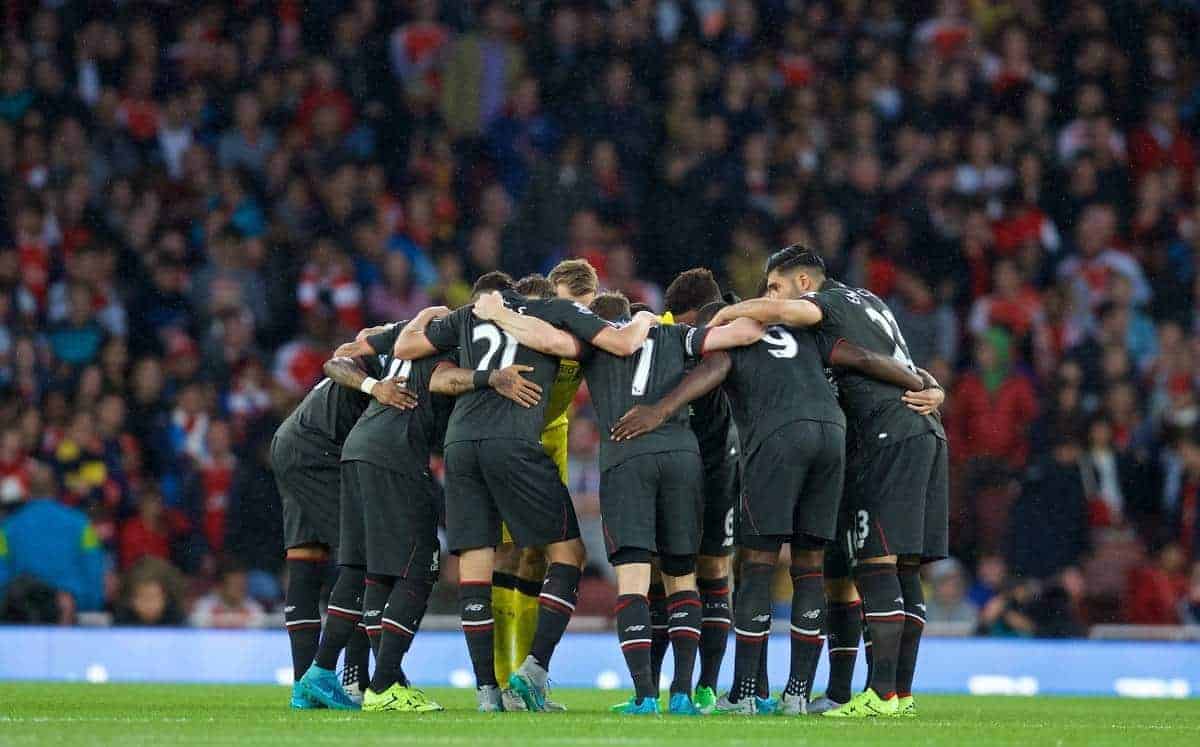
x=693, y=340
x=444, y=333
x=574, y=317
x=831, y=305
x=383, y=342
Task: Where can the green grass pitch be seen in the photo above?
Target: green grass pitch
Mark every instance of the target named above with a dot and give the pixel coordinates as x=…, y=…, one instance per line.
x=81, y=714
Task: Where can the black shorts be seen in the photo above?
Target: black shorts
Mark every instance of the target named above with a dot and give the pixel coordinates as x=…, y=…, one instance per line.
x=390, y=520
x=653, y=502
x=897, y=503
x=309, y=486
x=505, y=480
x=722, y=486
x=793, y=482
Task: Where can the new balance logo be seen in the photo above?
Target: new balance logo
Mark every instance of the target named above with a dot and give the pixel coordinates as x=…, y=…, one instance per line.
x=372, y=613
x=635, y=628
x=882, y=436
x=921, y=607
x=677, y=615
x=762, y=618
x=289, y=608
x=899, y=600
x=811, y=614
x=476, y=607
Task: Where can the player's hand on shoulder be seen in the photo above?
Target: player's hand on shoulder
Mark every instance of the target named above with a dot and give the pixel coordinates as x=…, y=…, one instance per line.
x=366, y=332
x=394, y=393
x=640, y=420
x=646, y=316
x=352, y=349
x=510, y=384
x=488, y=305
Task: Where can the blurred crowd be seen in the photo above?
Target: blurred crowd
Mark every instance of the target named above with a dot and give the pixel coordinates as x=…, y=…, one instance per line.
x=198, y=201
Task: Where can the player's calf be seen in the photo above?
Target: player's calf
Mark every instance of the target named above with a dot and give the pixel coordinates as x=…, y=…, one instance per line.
x=400, y=621
x=306, y=568
x=752, y=625
x=909, y=573
x=883, y=605
x=716, y=619
x=807, y=624
x=683, y=618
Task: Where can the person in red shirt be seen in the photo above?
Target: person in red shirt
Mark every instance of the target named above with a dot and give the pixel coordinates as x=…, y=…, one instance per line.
x=146, y=533
x=993, y=406
x=216, y=478
x=1162, y=143
x=1012, y=304
x=1155, y=588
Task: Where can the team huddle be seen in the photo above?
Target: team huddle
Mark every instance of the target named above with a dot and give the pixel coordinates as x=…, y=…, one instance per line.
x=796, y=418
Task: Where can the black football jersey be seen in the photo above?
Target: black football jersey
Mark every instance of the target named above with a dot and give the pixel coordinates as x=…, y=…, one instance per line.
x=618, y=383
x=329, y=412
x=401, y=439
x=712, y=422
x=779, y=380
x=876, y=414
x=483, y=346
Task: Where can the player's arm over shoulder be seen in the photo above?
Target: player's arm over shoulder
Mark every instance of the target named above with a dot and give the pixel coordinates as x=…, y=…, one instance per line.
x=531, y=325
x=798, y=312
x=846, y=355
x=432, y=330
x=735, y=334
x=626, y=339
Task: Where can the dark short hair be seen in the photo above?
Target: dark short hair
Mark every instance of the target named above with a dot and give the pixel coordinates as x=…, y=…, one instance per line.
x=496, y=280
x=611, y=305
x=638, y=306
x=691, y=289
x=796, y=256
x=534, y=286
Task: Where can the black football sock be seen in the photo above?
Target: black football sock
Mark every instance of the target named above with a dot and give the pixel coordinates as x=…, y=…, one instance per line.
x=808, y=620
x=867, y=649
x=375, y=596
x=556, y=605
x=683, y=615
x=762, y=683
x=633, y=631
x=475, y=600
x=357, y=667
x=751, y=625
x=400, y=620
x=343, y=615
x=914, y=626
x=716, y=619
x=659, y=640
x=844, y=630
x=883, y=605
x=302, y=611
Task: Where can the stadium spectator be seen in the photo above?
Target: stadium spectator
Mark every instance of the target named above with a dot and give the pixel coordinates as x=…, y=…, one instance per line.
x=228, y=605
x=150, y=595
x=949, y=602
x=1049, y=521
x=55, y=546
x=201, y=205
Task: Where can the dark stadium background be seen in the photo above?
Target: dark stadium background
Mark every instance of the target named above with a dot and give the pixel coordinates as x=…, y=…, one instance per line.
x=198, y=201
